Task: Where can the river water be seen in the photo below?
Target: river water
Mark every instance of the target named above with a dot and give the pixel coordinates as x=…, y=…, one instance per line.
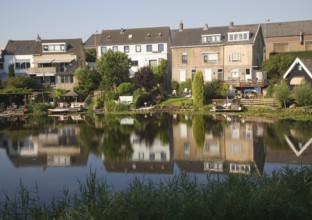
x=53, y=153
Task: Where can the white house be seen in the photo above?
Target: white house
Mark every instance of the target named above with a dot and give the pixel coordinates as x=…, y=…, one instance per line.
x=144, y=46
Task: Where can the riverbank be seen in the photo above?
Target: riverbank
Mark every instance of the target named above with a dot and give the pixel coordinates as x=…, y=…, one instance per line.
x=286, y=194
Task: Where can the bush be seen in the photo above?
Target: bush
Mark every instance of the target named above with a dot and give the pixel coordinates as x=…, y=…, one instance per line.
x=125, y=88
x=38, y=108
x=185, y=85
x=303, y=94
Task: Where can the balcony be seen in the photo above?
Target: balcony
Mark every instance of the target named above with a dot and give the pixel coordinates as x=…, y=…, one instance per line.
x=39, y=71
x=237, y=82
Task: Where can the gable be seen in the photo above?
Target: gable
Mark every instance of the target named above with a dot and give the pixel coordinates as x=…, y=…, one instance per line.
x=305, y=67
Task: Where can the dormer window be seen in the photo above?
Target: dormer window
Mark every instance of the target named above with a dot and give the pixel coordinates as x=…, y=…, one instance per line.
x=211, y=38
x=54, y=47
x=239, y=36
x=130, y=36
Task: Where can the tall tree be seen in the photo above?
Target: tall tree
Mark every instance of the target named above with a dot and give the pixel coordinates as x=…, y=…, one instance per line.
x=11, y=70
x=198, y=89
x=114, y=69
x=87, y=82
x=90, y=55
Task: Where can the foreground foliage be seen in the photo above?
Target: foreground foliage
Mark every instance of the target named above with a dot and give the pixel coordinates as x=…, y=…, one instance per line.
x=286, y=194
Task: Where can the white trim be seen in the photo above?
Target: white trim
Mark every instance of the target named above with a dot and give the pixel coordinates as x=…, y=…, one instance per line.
x=297, y=60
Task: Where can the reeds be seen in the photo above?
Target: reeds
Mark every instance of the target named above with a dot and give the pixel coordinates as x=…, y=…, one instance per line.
x=285, y=194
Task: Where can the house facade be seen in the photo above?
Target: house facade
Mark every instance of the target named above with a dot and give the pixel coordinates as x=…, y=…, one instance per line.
x=299, y=72
x=287, y=36
x=53, y=62
x=233, y=54
x=144, y=46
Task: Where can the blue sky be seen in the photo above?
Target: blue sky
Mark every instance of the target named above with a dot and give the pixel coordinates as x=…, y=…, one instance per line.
x=24, y=19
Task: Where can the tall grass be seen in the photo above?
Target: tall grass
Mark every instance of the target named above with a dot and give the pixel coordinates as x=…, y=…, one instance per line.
x=285, y=194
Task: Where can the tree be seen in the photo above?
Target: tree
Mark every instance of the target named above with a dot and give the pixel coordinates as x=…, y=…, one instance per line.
x=277, y=65
x=282, y=92
x=125, y=88
x=11, y=70
x=303, y=94
x=114, y=69
x=161, y=70
x=198, y=89
x=145, y=78
x=87, y=82
x=90, y=55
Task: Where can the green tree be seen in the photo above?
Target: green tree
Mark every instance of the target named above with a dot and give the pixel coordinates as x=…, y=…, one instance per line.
x=114, y=69
x=198, y=89
x=277, y=65
x=125, y=88
x=303, y=94
x=282, y=92
x=87, y=82
x=11, y=70
x=161, y=70
x=90, y=55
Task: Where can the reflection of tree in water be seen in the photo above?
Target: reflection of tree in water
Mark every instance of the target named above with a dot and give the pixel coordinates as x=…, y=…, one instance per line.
x=215, y=127
x=116, y=145
x=147, y=128
x=296, y=131
x=89, y=137
x=199, y=130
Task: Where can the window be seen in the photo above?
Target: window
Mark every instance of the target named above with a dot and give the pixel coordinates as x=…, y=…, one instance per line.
x=182, y=75
x=236, y=148
x=186, y=148
x=54, y=47
x=207, y=75
x=211, y=38
x=238, y=36
x=126, y=49
x=280, y=47
x=212, y=149
x=22, y=64
x=247, y=71
x=220, y=74
x=149, y=48
x=153, y=63
x=138, y=48
x=213, y=166
x=134, y=63
x=160, y=47
x=103, y=50
x=210, y=57
x=67, y=79
x=184, y=58
x=234, y=57
x=115, y=48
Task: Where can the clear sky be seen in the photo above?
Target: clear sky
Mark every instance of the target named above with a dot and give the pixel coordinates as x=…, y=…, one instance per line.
x=56, y=19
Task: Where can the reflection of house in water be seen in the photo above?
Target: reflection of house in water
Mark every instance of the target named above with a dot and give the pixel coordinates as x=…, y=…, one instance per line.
x=236, y=149
x=154, y=158
x=53, y=146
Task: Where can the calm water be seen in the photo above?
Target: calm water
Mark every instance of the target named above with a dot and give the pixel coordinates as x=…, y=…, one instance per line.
x=54, y=153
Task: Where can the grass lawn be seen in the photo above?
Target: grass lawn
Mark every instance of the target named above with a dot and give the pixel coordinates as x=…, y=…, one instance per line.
x=177, y=101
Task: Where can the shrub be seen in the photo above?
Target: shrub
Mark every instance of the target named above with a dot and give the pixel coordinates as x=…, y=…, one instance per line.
x=198, y=89
x=38, y=108
x=303, y=94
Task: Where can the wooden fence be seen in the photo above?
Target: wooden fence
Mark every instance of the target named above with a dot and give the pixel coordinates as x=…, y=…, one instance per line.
x=261, y=101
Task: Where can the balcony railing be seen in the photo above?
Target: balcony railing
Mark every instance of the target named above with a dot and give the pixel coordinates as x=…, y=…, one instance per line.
x=237, y=82
x=41, y=70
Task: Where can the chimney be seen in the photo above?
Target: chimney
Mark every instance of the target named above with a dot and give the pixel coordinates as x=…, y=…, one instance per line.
x=231, y=24
x=38, y=38
x=205, y=27
x=181, y=26
x=301, y=37
x=122, y=31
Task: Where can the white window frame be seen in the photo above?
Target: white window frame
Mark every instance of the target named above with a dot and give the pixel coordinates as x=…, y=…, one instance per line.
x=182, y=75
x=211, y=57
x=207, y=75
x=138, y=48
x=211, y=38
x=238, y=36
x=235, y=57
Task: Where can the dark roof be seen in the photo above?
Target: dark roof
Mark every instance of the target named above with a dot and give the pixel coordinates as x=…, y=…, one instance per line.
x=34, y=47
x=135, y=36
x=293, y=28
x=308, y=63
x=20, y=47
x=93, y=40
x=192, y=36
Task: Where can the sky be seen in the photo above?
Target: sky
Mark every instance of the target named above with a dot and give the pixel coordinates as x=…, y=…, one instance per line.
x=62, y=19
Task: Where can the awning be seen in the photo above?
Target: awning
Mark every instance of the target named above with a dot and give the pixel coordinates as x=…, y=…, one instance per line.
x=44, y=61
x=297, y=80
x=44, y=74
x=68, y=60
